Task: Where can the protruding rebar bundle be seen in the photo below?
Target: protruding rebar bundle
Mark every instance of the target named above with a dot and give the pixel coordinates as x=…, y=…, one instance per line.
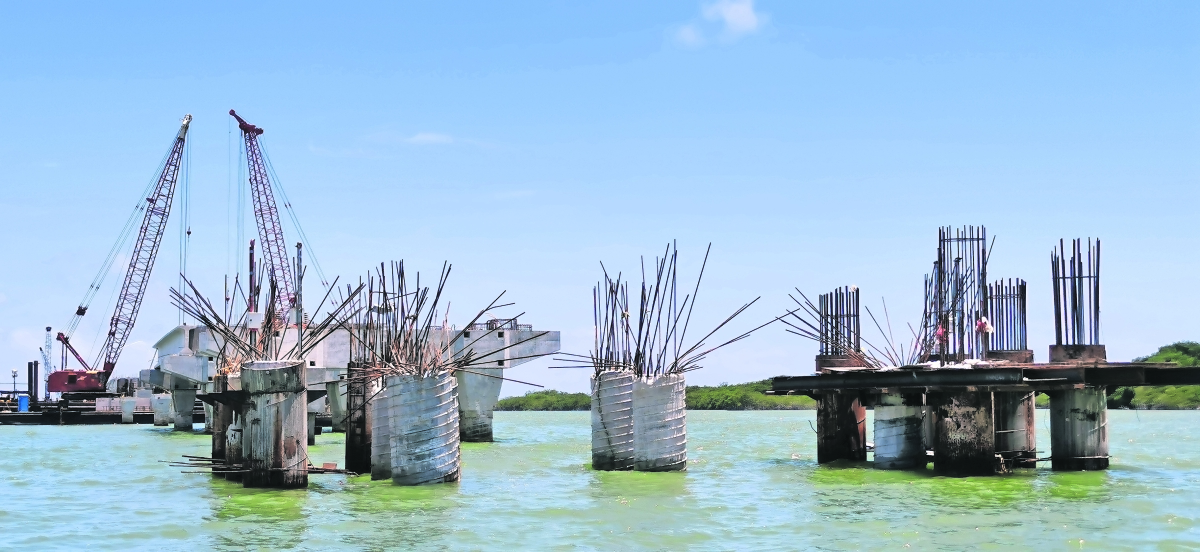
x=1076, y=293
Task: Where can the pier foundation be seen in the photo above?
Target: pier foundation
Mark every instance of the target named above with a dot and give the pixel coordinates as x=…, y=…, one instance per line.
x=183, y=404
x=1016, y=432
x=128, y=406
x=965, y=441
x=841, y=428
x=1079, y=429
x=424, y=432
x=336, y=393
x=477, y=397
x=358, y=424
x=274, y=442
x=381, y=442
x=612, y=420
x=164, y=413
x=221, y=418
x=660, y=423
x=899, y=421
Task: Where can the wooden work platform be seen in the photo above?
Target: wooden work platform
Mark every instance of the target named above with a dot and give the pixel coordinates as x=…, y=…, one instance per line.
x=993, y=377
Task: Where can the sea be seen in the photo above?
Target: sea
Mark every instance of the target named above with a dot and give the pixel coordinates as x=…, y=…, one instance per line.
x=752, y=483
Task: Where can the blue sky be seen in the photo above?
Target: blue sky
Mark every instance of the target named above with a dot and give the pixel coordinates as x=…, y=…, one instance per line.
x=814, y=144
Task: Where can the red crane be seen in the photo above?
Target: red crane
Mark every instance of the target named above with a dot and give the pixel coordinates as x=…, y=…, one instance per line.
x=270, y=231
x=133, y=289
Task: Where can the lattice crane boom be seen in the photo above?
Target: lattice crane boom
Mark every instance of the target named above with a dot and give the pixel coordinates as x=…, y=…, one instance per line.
x=137, y=276
x=266, y=215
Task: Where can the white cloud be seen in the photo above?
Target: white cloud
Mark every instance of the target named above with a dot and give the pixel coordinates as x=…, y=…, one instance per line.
x=730, y=19
x=738, y=16
x=689, y=35
x=430, y=138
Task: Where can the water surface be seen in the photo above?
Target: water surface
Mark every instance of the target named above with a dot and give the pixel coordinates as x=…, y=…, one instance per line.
x=752, y=483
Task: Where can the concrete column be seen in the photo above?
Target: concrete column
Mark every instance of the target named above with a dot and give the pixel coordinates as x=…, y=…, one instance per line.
x=1079, y=429
x=965, y=433
x=164, y=414
x=336, y=393
x=274, y=437
x=841, y=428
x=899, y=424
x=477, y=397
x=221, y=418
x=314, y=408
x=233, y=444
x=183, y=401
x=1016, y=432
x=358, y=424
x=128, y=406
x=381, y=441
x=208, y=418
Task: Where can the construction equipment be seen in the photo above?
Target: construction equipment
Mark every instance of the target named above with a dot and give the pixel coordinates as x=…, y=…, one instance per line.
x=133, y=289
x=266, y=215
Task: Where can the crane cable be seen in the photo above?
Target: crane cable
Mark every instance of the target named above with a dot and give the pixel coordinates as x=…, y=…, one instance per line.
x=113, y=252
x=287, y=205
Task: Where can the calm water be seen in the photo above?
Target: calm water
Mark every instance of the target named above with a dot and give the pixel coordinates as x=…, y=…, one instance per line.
x=753, y=483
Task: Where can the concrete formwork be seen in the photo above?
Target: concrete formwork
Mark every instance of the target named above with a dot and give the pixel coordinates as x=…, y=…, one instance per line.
x=424, y=432
x=1079, y=429
x=841, y=428
x=965, y=442
x=381, y=443
x=275, y=443
x=612, y=420
x=659, y=423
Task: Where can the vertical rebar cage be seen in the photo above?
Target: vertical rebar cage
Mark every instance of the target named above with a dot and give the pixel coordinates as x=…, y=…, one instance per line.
x=841, y=327
x=1076, y=292
x=1006, y=307
x=955, y=294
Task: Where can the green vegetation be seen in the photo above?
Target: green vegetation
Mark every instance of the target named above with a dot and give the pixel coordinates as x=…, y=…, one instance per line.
x=546, y=400
x=742, y=396
x=1169, y=397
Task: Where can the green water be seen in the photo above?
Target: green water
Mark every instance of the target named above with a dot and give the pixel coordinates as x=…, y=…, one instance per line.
x=752, y=483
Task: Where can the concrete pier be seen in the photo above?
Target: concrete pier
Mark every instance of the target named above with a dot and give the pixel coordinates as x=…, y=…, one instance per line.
x=183, y=404
x=966, y=438
x=275, y=443
x=1079, y=429
x=358, y=424
x=336, y=393
x=1016, y=431
x=899, y=431
x=233, y=444
x=164, y=413
x=841, y=428
x=477, y=397
x=381, y=431
x=612, y=420
x=128, y=406
x=221, y=419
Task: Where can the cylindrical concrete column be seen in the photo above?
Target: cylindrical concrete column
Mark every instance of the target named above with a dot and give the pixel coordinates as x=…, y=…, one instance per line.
x=222, y=417
x=965, y=434
x=1079, y=429
x=275, y=434
x=233, y=445
x=381, y=443
x=128, y=406
x=1016, y=432
x=612, y=420
x=164, y=413
x=841, y=428
x=899, y=421
x=424, y=429
x=358, y=423
x=336, y=393
x=660, y=423
x=183, y=402
x=477, y=397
